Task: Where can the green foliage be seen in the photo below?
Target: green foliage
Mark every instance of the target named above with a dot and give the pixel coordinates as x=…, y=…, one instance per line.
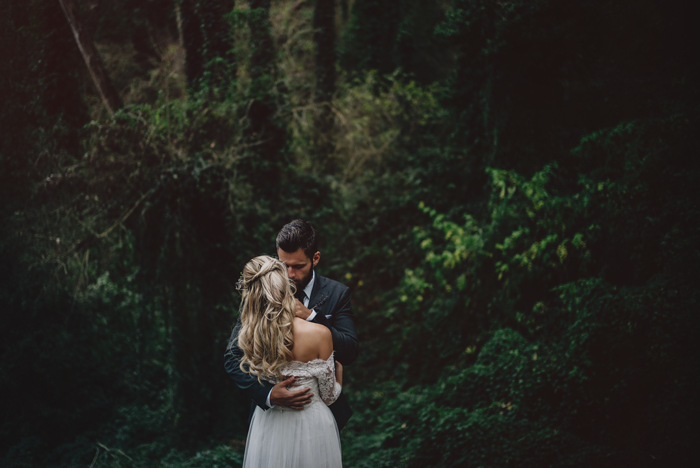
x=371, y=35
x=210, y=65
x=480, y=416
x=397, y=34
x=540, y=263
x=510, y=195
x=221, y=456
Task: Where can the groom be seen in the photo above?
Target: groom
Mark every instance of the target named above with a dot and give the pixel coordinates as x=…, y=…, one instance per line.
x=319, y=300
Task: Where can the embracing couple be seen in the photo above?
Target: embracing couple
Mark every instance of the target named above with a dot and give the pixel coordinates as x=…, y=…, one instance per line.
x=294, y=333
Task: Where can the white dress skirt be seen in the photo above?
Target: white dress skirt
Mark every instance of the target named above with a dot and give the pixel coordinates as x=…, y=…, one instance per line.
x=308, y=438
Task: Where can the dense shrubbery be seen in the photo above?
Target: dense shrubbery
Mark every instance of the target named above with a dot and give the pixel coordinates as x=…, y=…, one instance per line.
x=563, y=390
x=510, y=197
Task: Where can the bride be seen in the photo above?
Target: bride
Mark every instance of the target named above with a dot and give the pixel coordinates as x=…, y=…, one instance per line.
x=275, y=346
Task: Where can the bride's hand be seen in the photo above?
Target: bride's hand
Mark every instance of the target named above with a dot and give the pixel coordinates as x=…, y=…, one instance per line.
x=301, y=311
x=339, y=373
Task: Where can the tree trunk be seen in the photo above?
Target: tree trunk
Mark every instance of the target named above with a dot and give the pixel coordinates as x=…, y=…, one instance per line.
x=344, y=10
x=219, y=63
x=178, y=18
x=261, y=66
x=109, y=95
x=208, y=42
x=269, y=137
x=192, y=35
x=261, y=60
x=324, y=37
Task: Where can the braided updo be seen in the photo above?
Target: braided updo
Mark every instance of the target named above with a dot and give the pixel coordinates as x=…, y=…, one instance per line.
x=267, y=314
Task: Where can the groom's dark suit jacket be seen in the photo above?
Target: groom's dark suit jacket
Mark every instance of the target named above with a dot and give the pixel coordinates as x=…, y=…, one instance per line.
x=332, y=305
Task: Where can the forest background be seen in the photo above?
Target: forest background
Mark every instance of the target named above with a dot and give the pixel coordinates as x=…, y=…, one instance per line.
x=506, y=186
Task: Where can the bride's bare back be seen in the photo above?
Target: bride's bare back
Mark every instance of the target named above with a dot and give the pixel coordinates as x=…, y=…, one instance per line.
x=311, y=341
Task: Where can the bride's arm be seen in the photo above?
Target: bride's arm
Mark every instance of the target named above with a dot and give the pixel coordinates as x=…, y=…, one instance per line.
x=328, y=385
x=339, y=373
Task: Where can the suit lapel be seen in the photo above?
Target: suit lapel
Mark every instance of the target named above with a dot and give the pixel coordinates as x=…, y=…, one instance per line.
x=317, y=293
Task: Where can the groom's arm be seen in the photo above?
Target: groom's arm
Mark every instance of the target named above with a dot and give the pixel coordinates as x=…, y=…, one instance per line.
x=251, y=387
x=264, y=395
x=342, y=327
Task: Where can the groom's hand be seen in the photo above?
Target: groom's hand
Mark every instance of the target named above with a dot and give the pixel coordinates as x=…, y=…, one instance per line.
x=302, y=312
x=294, y=399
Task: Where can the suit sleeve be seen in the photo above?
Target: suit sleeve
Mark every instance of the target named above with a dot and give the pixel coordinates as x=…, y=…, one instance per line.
x=251, y=387
x=342, y=326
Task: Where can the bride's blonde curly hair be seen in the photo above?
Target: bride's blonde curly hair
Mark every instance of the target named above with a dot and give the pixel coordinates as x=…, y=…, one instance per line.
x=267, y=315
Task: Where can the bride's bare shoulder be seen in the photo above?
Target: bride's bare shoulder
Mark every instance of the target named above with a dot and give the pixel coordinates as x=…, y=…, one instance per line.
x=310, y=331
x=311, y=341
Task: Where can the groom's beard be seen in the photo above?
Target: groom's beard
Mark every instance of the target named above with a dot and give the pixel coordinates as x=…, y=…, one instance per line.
x=301, y=284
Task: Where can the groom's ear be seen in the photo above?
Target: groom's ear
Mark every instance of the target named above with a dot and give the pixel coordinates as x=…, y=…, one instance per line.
x=316, y=258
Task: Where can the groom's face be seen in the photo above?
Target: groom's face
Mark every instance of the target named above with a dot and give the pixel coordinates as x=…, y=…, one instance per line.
x=299, y=266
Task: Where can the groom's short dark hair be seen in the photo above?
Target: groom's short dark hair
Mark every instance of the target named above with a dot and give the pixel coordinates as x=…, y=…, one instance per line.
x=298, y=235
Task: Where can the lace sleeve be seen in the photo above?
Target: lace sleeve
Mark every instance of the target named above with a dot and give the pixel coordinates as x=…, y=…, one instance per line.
x=329, y=388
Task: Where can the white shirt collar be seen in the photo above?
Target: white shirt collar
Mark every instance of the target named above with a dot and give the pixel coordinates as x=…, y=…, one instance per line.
x=310, y=287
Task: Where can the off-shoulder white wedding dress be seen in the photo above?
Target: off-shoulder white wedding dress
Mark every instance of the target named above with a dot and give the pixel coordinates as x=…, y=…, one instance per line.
x=285, y=438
